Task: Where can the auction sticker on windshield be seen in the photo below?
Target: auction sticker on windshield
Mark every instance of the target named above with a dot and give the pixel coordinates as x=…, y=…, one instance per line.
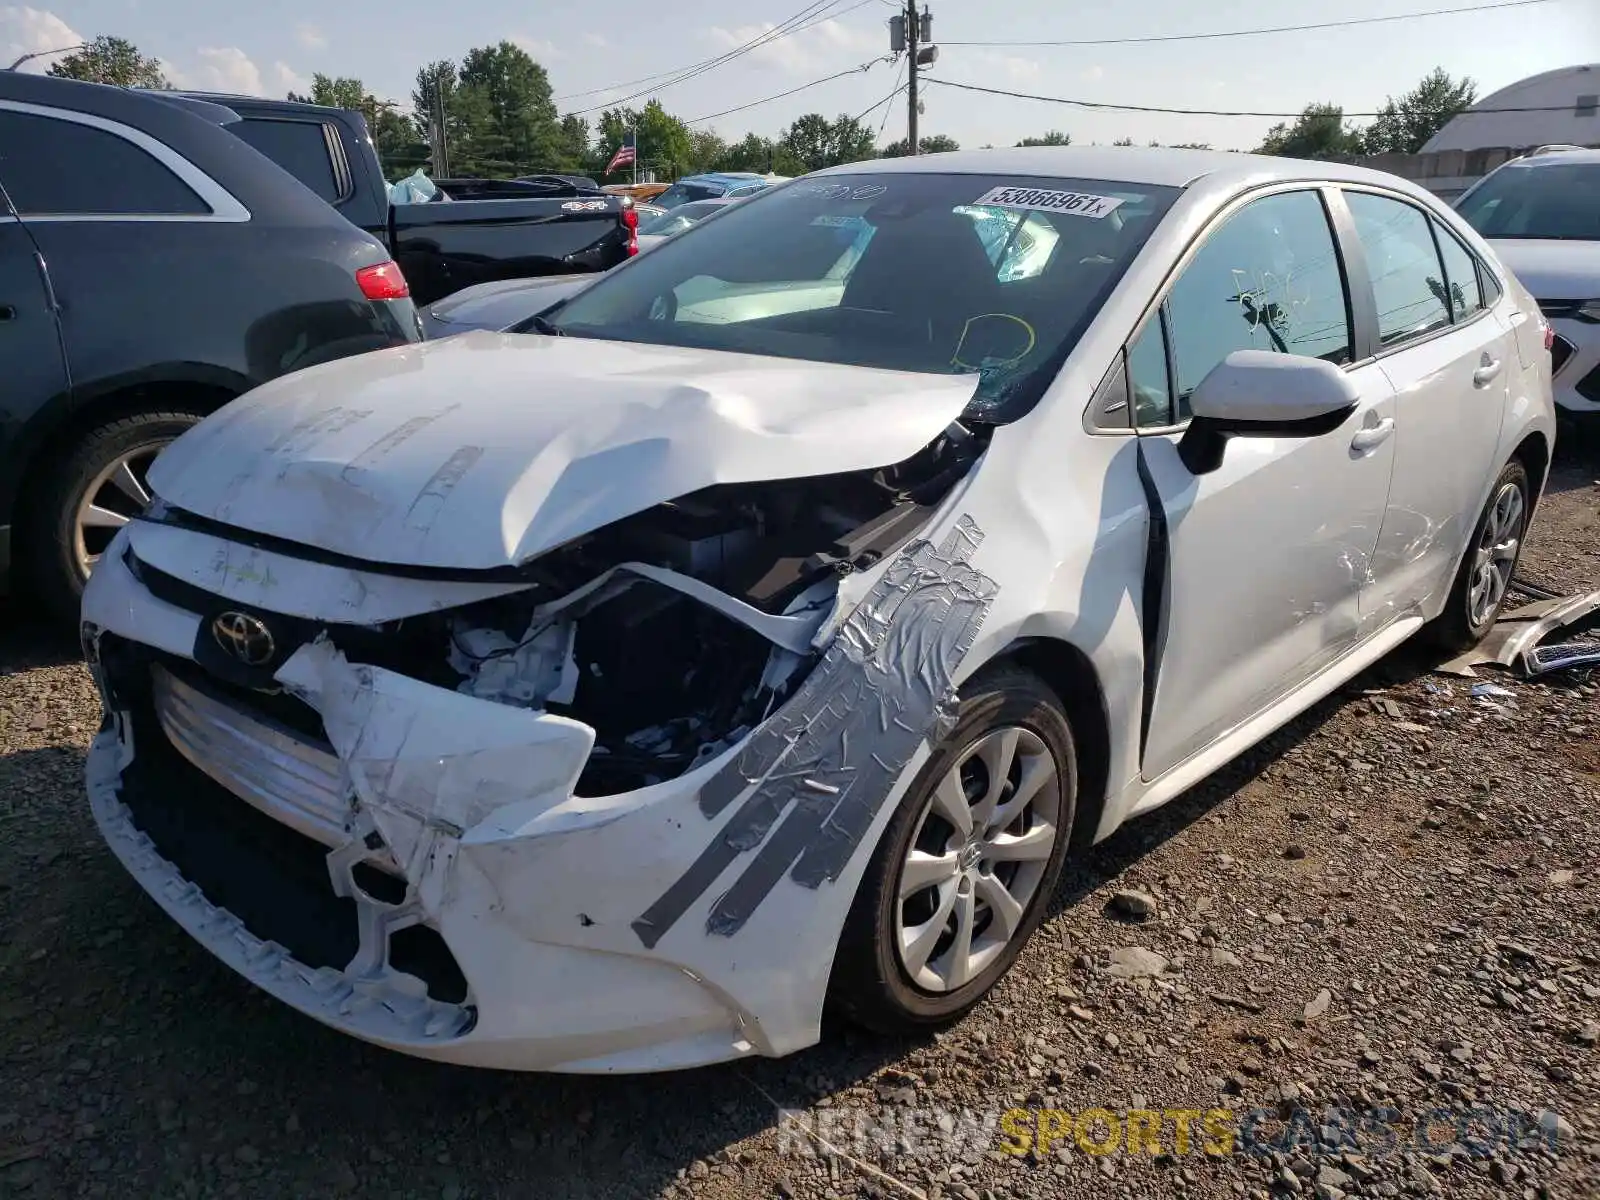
x=1078, y=204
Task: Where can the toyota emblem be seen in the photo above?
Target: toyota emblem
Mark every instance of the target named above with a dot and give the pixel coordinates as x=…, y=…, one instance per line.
x=245, y=638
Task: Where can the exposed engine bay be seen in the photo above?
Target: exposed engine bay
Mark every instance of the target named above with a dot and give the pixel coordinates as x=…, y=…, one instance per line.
x=666, y=679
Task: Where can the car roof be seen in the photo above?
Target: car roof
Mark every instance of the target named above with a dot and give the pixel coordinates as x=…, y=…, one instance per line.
x=1149, y=166
x=724, y=177
x=232, y=98
x=1555, y=156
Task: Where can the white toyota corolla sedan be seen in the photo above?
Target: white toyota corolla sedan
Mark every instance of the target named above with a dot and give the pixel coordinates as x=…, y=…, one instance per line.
x=764, y=626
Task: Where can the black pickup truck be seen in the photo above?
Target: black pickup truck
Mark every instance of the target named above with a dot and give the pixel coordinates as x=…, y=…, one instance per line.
x=445, y=245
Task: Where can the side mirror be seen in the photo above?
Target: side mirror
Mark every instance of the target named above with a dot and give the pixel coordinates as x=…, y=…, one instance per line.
x=1260, y=393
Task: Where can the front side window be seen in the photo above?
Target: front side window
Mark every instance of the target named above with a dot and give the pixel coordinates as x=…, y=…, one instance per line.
x=1560, y=201
x=1460, y=275
x=1407, y=276
x=1269, y=278
x=893, y=271
x=55, y=167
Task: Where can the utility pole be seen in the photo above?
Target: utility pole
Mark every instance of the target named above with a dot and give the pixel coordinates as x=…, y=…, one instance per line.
x=912, y=21
x=911, y=33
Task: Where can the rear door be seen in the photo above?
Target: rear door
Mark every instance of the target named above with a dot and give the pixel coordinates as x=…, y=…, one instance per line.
x=1266, y=556
x=30, y=342
x=1450, y=360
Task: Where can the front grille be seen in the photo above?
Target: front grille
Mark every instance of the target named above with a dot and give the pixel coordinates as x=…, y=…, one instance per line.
x=1589, y=386
x=1560, y=351
x=285, y=774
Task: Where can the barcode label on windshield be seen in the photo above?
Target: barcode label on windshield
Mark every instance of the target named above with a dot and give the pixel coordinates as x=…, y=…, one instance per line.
x=1077, y=204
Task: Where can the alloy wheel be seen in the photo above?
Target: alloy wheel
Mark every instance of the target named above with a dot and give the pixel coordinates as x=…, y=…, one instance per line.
x=1496, y=555
x=980, y=851
x=113, y=498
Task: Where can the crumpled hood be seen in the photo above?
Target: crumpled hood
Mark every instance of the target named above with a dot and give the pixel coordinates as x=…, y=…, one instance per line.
x=1553, y=270
x=487, y=449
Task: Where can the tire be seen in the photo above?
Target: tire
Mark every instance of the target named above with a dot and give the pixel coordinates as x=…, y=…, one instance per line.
x=53, y=553
x=872, y=983
x=1466, y=617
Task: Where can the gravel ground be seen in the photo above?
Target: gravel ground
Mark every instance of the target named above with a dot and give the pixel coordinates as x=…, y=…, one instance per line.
x=1394, y=903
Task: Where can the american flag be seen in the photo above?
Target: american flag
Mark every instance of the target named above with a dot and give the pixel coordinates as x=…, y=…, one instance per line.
x=625, y=154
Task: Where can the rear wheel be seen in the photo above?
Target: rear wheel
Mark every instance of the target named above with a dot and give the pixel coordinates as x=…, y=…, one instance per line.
x=965, y=869
x=89, y=493
x=1484, y=579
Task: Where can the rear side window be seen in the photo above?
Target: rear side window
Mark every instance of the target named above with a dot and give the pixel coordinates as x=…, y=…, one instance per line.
x=54, y=167
x=1460, y=275
x=1407, y=277
x=299, y=147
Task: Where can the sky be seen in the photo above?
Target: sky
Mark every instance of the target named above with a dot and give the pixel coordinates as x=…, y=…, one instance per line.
x=588, y=49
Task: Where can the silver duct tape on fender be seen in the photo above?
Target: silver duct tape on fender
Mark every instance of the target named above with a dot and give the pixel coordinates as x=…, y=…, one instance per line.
x=814, y=777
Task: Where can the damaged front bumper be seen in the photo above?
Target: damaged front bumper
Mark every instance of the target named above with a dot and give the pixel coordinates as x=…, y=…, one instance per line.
x=415, y=867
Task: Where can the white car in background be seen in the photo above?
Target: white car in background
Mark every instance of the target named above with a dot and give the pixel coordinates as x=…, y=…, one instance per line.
x=673, y=221
x=1542, y=216
x=769, y=624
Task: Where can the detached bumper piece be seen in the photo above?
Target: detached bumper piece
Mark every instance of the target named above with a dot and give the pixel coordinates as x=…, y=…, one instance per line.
x=254, y=890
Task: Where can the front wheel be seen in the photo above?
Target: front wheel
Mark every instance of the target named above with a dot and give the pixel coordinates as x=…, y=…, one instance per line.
x=1484, y=578
x=92, y=491
x=965, y=869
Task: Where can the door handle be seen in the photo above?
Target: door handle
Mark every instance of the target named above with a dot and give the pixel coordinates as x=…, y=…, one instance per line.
x=1372, y=436
x=8, y=312
x=1485, y=374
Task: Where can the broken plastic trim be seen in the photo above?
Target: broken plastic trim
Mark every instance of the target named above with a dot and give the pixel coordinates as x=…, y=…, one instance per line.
x=815, y=776
x=1513, y=640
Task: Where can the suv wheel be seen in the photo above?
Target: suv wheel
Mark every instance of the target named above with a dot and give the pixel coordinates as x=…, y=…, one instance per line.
x=87, y=495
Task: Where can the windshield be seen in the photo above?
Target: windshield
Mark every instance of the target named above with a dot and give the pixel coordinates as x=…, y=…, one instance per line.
x=1558, y=201
x=679, y=218
x=953, y=274
x=682, y=193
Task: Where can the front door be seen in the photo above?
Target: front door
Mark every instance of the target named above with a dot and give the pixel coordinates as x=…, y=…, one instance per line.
x=1267, y=555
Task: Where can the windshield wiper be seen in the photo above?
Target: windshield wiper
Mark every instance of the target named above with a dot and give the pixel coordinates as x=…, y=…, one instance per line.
x=539, y=324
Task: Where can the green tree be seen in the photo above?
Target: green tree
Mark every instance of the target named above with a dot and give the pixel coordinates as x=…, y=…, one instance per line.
x=757, y=153
x=706, y=150
x=1319, y=132
x=1053, y=137
x=664, y=146
x=112, y=60
x=575, y=148
x=815, y=142
x=471, y=145
x=520, y=132
x=1404, y=126
x=1123, y=142
x=937, y=144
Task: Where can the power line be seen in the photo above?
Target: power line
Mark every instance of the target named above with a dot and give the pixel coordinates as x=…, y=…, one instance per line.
x=765, y=38
x=884, y=124
x=1201, y=112
x=819, y=8
x=861, y=116
x=803, y=87
x=1263, y=32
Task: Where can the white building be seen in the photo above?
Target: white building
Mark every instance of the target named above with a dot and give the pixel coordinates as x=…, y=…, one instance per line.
x=1568, y=99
